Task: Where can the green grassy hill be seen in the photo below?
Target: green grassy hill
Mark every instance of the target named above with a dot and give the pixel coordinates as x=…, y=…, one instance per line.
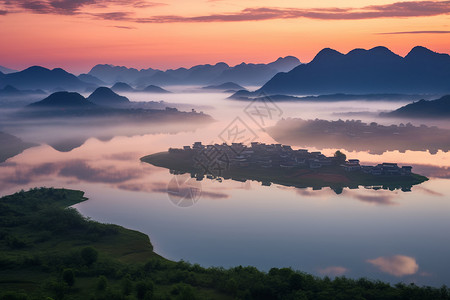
x=49, y=251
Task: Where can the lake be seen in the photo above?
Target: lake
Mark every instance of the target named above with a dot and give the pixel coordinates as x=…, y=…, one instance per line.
x=379, y=234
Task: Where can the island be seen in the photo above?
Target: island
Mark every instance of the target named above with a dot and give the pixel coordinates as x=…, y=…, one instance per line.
x=262, y=96
x=355, y=135
x=280, y=164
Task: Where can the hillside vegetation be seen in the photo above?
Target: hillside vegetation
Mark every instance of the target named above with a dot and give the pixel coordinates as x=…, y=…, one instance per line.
x=49, y=251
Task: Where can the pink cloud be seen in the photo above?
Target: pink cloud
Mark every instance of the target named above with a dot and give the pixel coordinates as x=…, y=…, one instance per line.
x=394, y=10
x=397, y=265
x=333, y=271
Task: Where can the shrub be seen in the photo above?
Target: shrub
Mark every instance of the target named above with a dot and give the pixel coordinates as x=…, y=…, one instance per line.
x=144, y=289
x=89, y=255
x=102, y=283
x=68, y=277
x=127, y=286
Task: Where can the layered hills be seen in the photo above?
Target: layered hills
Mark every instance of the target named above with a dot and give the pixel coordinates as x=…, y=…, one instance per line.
x=377, y=70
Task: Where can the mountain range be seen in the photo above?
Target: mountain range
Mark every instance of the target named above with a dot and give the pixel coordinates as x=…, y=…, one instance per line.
x=439, y=108
x=63, y=100
x=374, y=71
x=105, y=103
x=10, y=91
x=244, y=74
x=42, y=78
x=377, y=70
x=227, y=86
x=155, y=89
x=11, y=97
x=5, y=70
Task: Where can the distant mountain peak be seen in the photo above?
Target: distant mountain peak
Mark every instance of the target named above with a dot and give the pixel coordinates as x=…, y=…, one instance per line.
x=155, y=89
x=59, y=70
x=419, y=52
x=122, y=87
x=35, y=69
x=105, y=96
x=63, y=100
x=381, y=49
x=222, y=64
x=225, y=86
x=327, y=53
x=10, y=88
x=5, y=70
x=37, y=77
x=439, y=108
x=377, y=70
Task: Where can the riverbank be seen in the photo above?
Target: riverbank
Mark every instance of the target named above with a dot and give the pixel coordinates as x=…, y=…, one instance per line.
x=49, y=250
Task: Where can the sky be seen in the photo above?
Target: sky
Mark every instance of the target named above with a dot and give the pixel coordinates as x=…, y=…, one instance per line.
x=78, y=34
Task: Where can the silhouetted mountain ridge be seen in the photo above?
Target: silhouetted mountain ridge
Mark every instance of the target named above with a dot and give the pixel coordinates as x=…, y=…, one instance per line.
x=10, y=91
x=105, y=96
x=5, y=70
x=377, y=70
x=245, y=74
x=37, y=77
x=122, y=87
x=439, y=108
x=155, y=89
x=112, y=74
x=63, y=100
x=91, y=79
x=225, y=87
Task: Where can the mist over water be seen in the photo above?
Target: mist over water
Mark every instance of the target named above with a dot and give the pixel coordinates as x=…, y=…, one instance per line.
x=388, y=235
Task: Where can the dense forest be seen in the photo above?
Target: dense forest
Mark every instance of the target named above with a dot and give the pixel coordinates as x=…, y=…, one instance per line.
x=50, y=251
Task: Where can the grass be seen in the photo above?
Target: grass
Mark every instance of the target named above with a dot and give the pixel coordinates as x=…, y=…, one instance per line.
x=40, y=236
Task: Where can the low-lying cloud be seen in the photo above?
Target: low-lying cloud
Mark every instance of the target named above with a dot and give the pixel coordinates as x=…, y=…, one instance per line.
x=397, y=265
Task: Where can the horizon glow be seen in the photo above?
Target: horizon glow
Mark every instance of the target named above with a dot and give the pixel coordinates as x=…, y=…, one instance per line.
x=168, y=34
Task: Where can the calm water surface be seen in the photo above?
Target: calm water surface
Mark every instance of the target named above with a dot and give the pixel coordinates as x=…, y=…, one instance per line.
x=389, y=235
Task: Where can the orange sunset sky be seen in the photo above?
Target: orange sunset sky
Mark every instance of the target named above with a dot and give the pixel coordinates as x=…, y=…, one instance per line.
x=77, y=34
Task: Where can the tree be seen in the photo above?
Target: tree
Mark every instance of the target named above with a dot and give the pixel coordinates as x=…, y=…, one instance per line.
x=102, y=283
x=68, y=277
x=144, y=289
x=339, y=157
x=127, y=285
x=89, y=255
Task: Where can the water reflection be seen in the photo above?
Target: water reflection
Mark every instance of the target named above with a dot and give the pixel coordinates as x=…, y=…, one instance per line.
x=245, y=223
x=280, y=164
x=11, y=146
x=182, y=191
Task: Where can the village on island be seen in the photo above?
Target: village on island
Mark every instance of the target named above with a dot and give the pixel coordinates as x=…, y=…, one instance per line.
x=280, y=164
x=260, y=155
